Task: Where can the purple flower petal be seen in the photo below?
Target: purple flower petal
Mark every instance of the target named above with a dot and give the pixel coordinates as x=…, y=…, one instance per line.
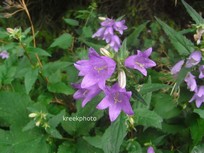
x=150, y=150
x=191, y=82
x=177, y=67
x=193, y=59
x=201, y=69
x=4, y=54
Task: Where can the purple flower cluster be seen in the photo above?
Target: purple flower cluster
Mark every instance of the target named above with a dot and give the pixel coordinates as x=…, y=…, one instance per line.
x=97, y=70
x=193, y=60
x=4, y=54
x=108, y=30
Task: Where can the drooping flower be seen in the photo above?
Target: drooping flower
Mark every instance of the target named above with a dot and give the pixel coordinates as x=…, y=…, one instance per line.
x=177, y=67
x=193, y=59
x=86, y=94
x=201, y=69
x=141, y=61
x=198, y=96
x=96, y=70
x=4, y=54
x=191, y=82
x=150, y=150
x=107, y=32
x=116, y=99
x=120, y=26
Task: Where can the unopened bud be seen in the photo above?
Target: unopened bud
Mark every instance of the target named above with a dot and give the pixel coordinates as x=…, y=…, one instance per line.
x=102, y=18
x=122, y=79
x=131, y=120
x=32, y=115
x=37, y=123
x=105, y=52
x=9, y=30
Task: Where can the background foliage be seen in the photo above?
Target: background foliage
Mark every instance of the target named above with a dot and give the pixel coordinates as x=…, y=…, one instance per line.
x=64, y=30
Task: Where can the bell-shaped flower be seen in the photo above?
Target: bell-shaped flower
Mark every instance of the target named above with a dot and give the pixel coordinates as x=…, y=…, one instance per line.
x=120, y=26
x=150, y=150
x=177, y=67
x=96, y=70
x=116, y=99
x=86, y=94
x=193, y=59
x=198, y=96
x=140, y=61
x=201, y=69
x=191, y=82
x=4, y=54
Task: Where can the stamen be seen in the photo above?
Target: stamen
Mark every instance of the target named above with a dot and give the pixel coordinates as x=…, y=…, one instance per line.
x=100, y=68
x=116, y=98
x=140, y=65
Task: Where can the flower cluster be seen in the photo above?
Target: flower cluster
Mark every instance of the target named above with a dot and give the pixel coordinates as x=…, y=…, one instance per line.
x=99, y=71
x=107, y=32
x=193, y=60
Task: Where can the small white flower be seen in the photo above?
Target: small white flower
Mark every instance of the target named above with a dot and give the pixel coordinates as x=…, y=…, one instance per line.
x=32, y=115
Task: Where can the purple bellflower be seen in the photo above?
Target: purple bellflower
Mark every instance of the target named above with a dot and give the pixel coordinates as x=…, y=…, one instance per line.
x=191, y=82
x=198, y=96
x=140, y=61
x=150, y=150
x=86, y=94
x=4, y=54
x=177, y=67
x=107, y=32
x=201, y=69
x=193, y=59
x=96, y=70
x=116, y=99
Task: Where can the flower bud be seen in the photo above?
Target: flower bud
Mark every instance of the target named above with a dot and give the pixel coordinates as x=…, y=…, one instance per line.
x=122, y=79
x=32, y=115
x=37, y=123
x=102, y=18
x=105, y=52
x=9, y=30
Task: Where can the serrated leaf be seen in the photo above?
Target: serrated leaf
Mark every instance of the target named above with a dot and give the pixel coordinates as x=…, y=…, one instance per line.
x=87, y=32
x=152, y=87
x=197, y=131
x=94, y=141
x=114, y=135
x=30, y=78
x=132, y=39
x=180, y=42
x=39, y=51
x=123, y=50
x=64, y=41
x=195, y=16
x=71, y=22
x=147, y=118
x=60, y=87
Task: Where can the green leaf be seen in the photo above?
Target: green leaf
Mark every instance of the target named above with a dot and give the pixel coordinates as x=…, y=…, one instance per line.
x=197, y=131
x=66, y=147
x=200, y=112
x=87, y=32
x=195, y=16
x=134, y=147
x=64, y=41
x=132, y=39
x=39, y=51
x=79, y=123
x=180, y=42
x=13, y=110
x=147, y=118
x=198, y=149
x=114, y=135
x=60, y=87
x=165, y=103
x=30, y=78
x=181, y=75
x=123, y=50
x=51, y=67
x=152, y=87
x=71, y=22
x=94, y=141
